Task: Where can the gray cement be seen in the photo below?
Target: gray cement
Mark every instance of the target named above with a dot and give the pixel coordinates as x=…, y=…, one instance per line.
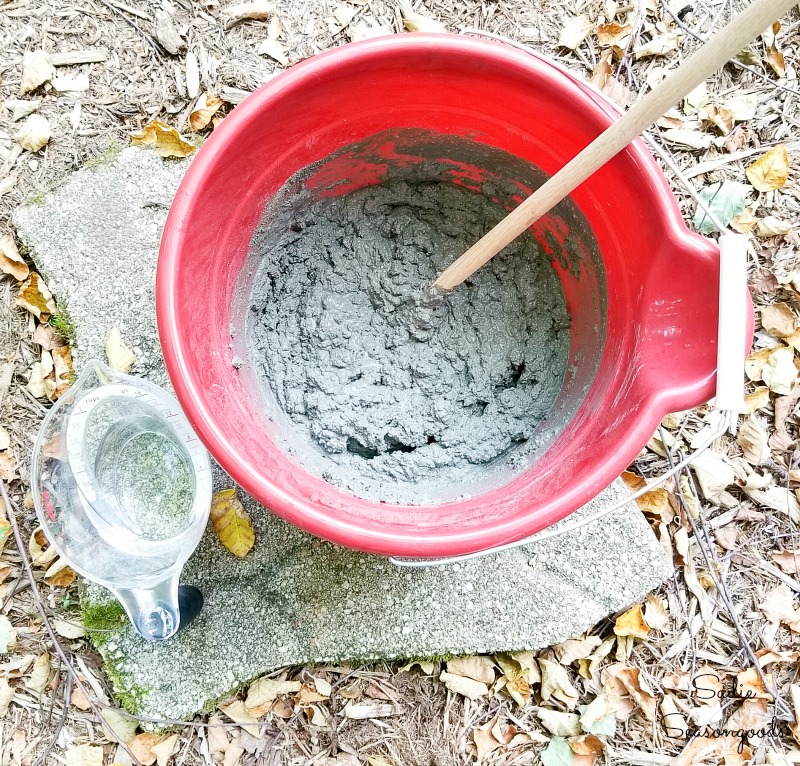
x=295, y=599
x=401, y=399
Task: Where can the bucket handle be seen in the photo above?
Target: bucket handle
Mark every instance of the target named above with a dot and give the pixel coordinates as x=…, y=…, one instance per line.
x=728, y=403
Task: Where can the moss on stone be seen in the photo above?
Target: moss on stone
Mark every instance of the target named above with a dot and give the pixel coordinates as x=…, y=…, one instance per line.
x=100, y=617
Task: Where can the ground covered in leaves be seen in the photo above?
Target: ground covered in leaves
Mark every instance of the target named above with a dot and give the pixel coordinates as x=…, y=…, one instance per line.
x=706, y=670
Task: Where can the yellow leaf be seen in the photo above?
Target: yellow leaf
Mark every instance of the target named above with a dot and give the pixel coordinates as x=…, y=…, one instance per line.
x=120, y=357
x=780, y=372
x=776, y=61
x=770, y=171
x=519, y=690
x=167, y=141
x=205, y=108
x=231, y=522
x=745, y=222
x=632, y=623
x=612, y=34
x=40, y=556
x=556, y=683
x=11, y=261
x=36, y=298
x=756, y=400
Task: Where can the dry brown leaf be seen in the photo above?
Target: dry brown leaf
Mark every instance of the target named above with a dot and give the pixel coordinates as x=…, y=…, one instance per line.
x=238, y=713
x=603, y=79
x=47, y=337
x=750, y=685
x=84, y=755
x=68, y=630
x=476, y=667
x=586, y=748
x=788, y=561
x=41, y=556
x=264, y=690
x=59, y=574
x=120, y=357
x=34, y=133
x=726, y=537
x=164, y=749
x=752, y=438
x=5, y=530
x=770, y=226
x=530, y=667
x=37, y=69
x=769, y=171
x=40, y=674
x=616, y=694
x=576, y=649
x=718, y=116
x=166, y=140
x=559, y=723
x=6, y=695
x=638, y=689
x=631, y=623
x=416, y=22
x=62, y=368
x=589, y=666
x=142, y=747
x=574, y=30
x=660, y=45
x=761, y=490
x=778, y=607
x=702, y=750
x=232, y=523
x=756, y=400
x=776, y=61
x=11, y=262
x=655, y=613
x=464, y=686
x=672, y=718
x=779, y=320
x=794, y=693
x=257, y=11
x=556, y=683
x=275, y=50
x=485, y=741
x=613, y=34
x=745, y=222
x=8, y=466
x=205, y=108
x=34, y=296
x=519, y=690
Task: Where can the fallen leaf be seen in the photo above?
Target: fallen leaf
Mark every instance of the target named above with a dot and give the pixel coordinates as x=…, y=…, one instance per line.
x=780, y=373
x=714, y=475
x=6, y=695
x=34, y=133
x=586, y=747
x=557, y=753
x=5, y=531
x=770, y=226
x=416, y=22
x=598, y=716
x=485, y=739
x=8, y=634
x=718, y=116
x=743, y=106
x=794, y=691
x=632, y=623
x=778, y=607
x=691, y=139
x=788, y=561
x=40, y=674
x=725, y=199
x=205, y=108
x=761, y=490
x=47, y=337
x=59, y=575
x=264, y=690
x=655, y=613
x=756, y=400
x=464, y=686
x=5, y=439
x=34, y=296
x=20, y=108
x=164, y=749
x=232, y=523
x=217, y=738
x=530, y=667
x=257, y=11
x=476, y=667
x=559, y=723
x=166, y=140
x=37, y=69
x=84, y=755
x=776, y=61
x=750, y=685
x=574, y=30
x=68, y=629
x=8, y=466
x=769, y=171
x=613, y=34
x=638, y=689
x=274, y=50
x=426, y=666
x=727, y=537
x=672, y=720
x=142, y=747
x=745, y=222
x=238, y=713
x=11, y=262
x=779, y=320
x=752, y=438
x=660, y=45
x=62, y=367
x=41, y=556
x=519, y=690
x=603, y=79
x=588, y=667
x=576, y=649
x=120, y=357
x=556, y=683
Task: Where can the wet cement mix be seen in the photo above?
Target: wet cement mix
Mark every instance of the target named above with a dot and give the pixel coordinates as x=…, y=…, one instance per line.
x=403, y=399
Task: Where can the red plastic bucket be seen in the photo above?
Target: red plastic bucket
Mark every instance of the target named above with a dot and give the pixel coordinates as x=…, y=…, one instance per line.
x=655, y=291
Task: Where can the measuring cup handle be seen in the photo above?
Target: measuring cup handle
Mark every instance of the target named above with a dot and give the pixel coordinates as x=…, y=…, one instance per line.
x=190, y=602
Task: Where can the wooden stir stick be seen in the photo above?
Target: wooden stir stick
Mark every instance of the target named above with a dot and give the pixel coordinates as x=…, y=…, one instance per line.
x=711, y=56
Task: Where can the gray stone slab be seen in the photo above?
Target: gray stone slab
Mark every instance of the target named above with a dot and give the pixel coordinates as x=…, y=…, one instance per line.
x=296, y=599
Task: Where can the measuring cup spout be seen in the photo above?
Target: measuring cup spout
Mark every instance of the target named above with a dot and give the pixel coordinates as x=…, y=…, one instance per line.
x=155, y=611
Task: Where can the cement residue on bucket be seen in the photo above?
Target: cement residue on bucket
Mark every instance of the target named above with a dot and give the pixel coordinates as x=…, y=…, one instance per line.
x=401, y=405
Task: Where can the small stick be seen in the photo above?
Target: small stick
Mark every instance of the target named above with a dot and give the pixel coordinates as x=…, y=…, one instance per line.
x=710, y=57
